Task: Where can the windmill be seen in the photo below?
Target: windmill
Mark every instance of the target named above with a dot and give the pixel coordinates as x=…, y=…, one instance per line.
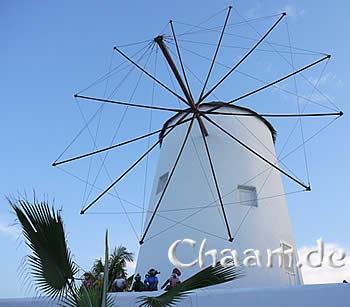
x=224, y=195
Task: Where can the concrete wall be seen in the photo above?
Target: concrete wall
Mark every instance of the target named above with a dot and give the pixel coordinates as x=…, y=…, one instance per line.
x=300, y=296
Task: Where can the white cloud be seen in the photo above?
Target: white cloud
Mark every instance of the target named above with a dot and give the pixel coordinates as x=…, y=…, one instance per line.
x=292, y=11
x=326, y=273
x=8, y=230
x=327, y=79
x=130, y=267
x=253, y=11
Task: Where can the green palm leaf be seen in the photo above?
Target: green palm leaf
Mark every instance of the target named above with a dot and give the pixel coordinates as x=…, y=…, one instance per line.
x=51, y=263
x=117, y=264
x=105, y=276
x=97, y=267
x=118, y=259
x=209, y=276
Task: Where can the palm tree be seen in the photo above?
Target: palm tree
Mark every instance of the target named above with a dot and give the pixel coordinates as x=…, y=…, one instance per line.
x=117, y=264
x=56, y=275
x=51, y=263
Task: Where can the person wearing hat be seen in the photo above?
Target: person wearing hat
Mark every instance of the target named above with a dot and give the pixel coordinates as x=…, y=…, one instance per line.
x=119, y=284
x=151, y=281
x=173, y=280
x=138, y=285
x=88, y=280
x=99, y=281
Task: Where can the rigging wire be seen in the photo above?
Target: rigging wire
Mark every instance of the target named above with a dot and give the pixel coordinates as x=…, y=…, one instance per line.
x=262, y=81
x=219, y=27
x=204, y=207
x=202, y=22
x=103, y=166
x=96, y=132
x=286, y=60
x=311, y=137
x=144, y=54
x=80, y=131
x=171, y=173
x=272, y=154
x=118, y=125
x=266, y=41
x=192, y=73
x=148, y=142
x=299, y=110
x=180, y=60
x=242, y=48
x=244, y=218
x=215, y=53
x=208, y=205
x=246, y=55
x=136, y=43
x=113, y=71
x=78, y=134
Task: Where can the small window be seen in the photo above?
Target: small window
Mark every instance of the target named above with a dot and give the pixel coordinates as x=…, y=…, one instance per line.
x=247, y=196
x=287, y=259
x=161, y=182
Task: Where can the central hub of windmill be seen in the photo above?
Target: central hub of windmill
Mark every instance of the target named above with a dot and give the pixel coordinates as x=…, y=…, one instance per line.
x=184, y=85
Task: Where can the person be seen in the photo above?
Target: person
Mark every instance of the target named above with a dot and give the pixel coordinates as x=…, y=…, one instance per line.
x=119, y=284
x=99, y=281
x=138, y=285
x=151, y=280
x=88, y=280
x=173, y=280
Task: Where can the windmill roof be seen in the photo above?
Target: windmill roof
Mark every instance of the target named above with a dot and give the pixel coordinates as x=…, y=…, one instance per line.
x=224, y=105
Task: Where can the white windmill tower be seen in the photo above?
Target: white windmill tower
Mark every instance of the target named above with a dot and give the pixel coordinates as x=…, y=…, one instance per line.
x=217, y=178
x=220, y=153
x=244, y=209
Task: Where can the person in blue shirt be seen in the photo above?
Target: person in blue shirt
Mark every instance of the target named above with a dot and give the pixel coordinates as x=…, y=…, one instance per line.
x=151, y=280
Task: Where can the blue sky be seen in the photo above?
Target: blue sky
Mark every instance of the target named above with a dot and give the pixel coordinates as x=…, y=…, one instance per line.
x=51, y=50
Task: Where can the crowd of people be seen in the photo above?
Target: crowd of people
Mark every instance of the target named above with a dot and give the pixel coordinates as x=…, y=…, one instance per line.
x=120, y=284
x=151, y=281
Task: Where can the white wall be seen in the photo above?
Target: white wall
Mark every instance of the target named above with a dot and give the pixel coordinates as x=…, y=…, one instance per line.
x=300, y=296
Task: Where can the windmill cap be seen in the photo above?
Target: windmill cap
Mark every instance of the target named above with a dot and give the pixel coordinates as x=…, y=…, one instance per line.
x=220, y=105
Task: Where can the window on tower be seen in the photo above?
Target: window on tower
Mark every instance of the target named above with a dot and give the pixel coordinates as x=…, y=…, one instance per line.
x=161, y=182
x=247, y=196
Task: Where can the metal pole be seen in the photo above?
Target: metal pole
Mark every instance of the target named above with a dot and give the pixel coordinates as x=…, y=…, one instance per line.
x=307, y=188
x=230, y=238
x=129, y=169
x=215, y=54
x=271, y=83
x=118, y=145
x=160, y=41
x=240, y=62
x=168, y=181
x=127, y=103
x=149, y=75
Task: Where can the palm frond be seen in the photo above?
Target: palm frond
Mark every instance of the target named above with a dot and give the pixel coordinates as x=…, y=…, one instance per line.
x=51, y=263
x=207, y=277
x=105, y=276
x=97, y=267
x=118, y=259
